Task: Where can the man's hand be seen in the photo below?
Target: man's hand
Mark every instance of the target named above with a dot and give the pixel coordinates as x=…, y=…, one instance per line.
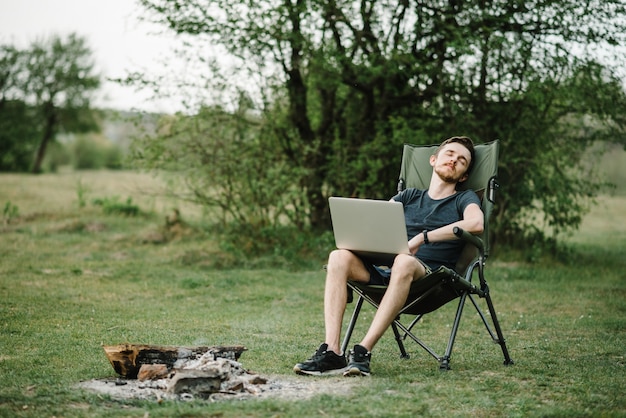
x=415, y=243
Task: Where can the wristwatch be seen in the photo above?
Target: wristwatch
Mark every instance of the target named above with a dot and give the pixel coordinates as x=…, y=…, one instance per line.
x=425, y=232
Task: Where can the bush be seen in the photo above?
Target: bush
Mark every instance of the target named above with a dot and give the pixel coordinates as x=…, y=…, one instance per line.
x=58, y=155
x=87, y=154
x=283, y=246
x=9, y=212
x=113, y=205
x=91, y=153
x=113, y=157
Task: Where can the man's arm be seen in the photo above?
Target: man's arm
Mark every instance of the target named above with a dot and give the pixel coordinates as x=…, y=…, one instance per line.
x=472, y=222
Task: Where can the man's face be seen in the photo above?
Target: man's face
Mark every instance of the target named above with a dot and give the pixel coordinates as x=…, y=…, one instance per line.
x=451, y=163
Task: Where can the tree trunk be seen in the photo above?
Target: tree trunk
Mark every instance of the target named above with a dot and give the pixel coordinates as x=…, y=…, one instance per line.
x=48, y=135
x=319, y=216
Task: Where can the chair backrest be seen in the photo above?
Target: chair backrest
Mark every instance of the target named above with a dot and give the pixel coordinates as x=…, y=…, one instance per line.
x=415, y=172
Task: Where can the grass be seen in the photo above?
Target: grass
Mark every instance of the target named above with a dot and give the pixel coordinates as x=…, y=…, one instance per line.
x=72, y=279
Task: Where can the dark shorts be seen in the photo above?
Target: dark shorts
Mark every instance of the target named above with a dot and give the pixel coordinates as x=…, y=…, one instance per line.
x=380, y=275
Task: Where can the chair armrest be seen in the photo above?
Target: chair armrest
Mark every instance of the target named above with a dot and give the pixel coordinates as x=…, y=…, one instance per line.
x=472, y=239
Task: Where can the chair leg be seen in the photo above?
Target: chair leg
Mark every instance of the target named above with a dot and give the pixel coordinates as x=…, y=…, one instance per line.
x=399, y=340
x=355, y=316
x=505, y=352
x=444, y=362
x=499, y=337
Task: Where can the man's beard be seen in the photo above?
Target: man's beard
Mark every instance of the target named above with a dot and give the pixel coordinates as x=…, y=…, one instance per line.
x=448, y=176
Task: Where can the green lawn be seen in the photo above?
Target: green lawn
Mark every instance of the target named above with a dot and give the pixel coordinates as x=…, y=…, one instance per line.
x=73, y=279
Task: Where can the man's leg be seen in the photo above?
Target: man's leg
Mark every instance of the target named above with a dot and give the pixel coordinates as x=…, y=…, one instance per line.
x=342, y=266
x=405, y=269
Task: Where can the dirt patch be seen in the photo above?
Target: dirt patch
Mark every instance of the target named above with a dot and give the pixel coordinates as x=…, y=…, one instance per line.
x=278, y=387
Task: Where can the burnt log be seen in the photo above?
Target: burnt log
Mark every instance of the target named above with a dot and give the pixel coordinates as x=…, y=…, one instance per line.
x=152, y=372
x=201, y=383
x=127, y=359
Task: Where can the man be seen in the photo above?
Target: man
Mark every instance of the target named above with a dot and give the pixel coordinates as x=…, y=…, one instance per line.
x=431, y=216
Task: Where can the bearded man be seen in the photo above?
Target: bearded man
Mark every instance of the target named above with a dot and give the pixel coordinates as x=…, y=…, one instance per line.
x=431, y=216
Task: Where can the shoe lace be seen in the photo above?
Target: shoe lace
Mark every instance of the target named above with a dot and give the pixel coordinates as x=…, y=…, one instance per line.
x=318, y=356
x=359, y=357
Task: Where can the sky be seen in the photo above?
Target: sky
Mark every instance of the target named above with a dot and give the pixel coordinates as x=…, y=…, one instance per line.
x=120, y=43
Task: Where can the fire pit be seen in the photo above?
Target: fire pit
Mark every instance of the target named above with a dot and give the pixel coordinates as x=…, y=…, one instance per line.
x=208, y=373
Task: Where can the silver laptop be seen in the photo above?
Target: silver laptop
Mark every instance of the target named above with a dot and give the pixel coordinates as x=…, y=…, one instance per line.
x=373, y=229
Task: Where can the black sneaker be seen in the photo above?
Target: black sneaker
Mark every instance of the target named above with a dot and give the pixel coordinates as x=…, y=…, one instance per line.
x=322, y=361
x=359, y=364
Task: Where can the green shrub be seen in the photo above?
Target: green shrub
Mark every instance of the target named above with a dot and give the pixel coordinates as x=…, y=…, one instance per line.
x=9, y=212
x=91, y=153
x=87, y=154
x=112, y=206
x=113, y=157
x=58, y=155
x=285, y=246
x=81, y=193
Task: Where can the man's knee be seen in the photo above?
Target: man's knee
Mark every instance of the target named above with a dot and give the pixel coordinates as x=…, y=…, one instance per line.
x=340, y=258
x=407, y=266
x=345, y=264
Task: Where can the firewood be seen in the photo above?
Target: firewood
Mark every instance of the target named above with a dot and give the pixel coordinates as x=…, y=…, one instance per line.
x=127, y=359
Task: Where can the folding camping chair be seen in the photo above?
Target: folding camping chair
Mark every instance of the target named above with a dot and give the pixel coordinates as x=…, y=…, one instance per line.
x=443, y=285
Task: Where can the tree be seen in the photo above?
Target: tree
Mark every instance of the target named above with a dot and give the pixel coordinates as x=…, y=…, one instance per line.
x=346, y=83
x=50, y=84
x=18, y=136
x=15, y=115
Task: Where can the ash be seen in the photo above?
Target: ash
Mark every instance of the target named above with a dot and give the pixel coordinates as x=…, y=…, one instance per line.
x=217, y=379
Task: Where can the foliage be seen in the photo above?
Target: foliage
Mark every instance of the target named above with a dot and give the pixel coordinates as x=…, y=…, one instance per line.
x=58, y=155
x=113, y=157
x=18, y=136
x=87, y=154
x=81, y=193
x=9, y=213
x=48, y=86
x=113, y=206
x=270, y=247
x=84, y=152
x=344, y=84
x=225, y=162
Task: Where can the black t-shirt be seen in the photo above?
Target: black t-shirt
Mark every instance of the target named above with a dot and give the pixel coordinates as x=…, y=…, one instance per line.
x=423, y=213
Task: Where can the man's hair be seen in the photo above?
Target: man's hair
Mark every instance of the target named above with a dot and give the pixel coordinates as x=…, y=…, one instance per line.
x=466, y=142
